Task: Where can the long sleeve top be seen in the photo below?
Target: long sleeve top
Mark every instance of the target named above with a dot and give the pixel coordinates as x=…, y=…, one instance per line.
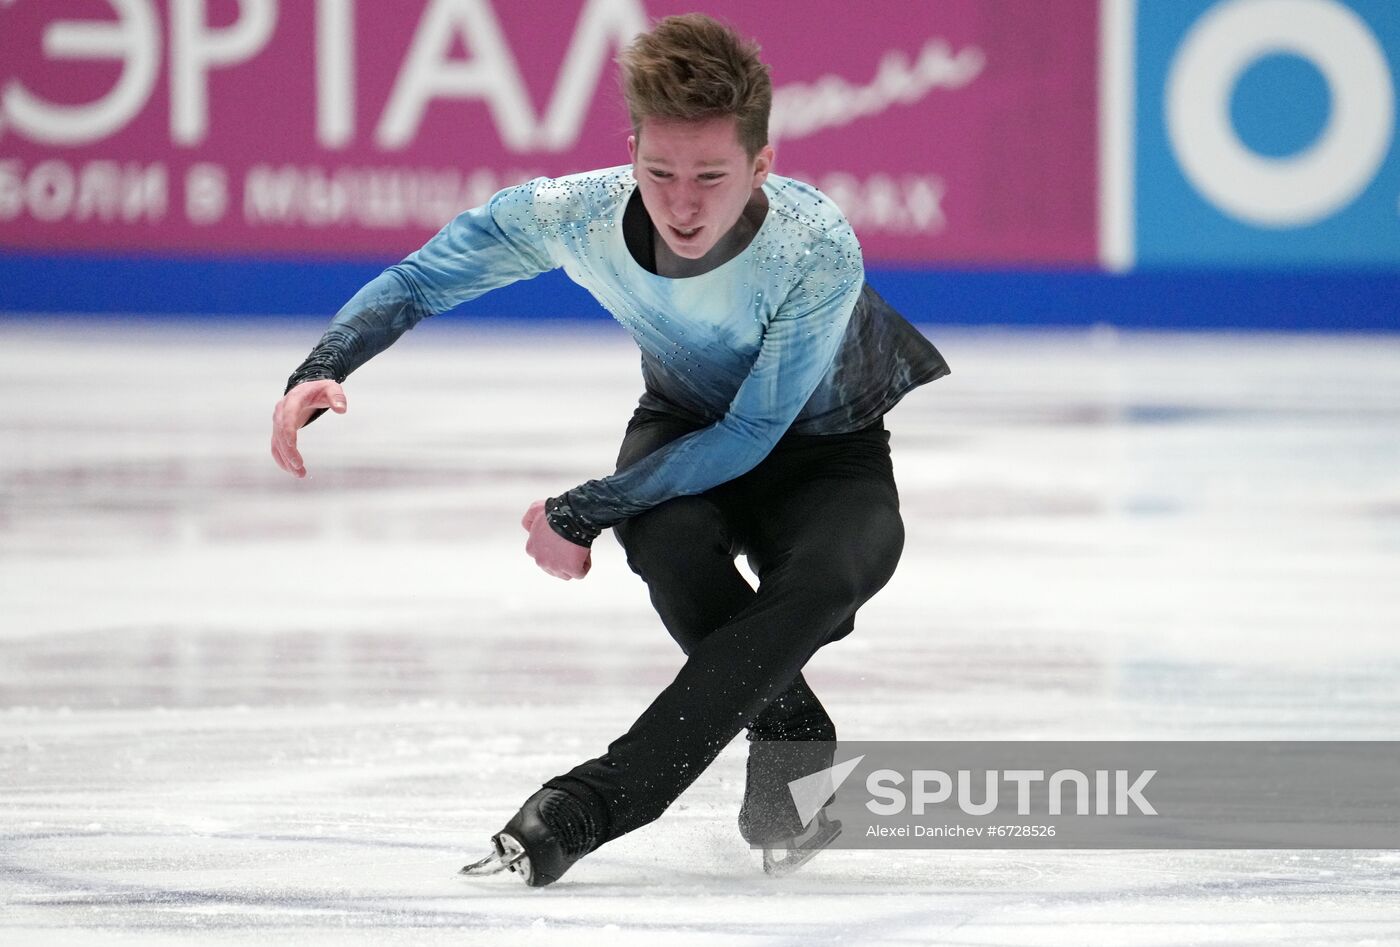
x=784, y=336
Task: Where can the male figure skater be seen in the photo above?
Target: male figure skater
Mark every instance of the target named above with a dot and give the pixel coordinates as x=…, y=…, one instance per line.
x=768, y=366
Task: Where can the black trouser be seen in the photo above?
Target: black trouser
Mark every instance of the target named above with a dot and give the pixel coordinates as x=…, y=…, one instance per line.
x=819, y=521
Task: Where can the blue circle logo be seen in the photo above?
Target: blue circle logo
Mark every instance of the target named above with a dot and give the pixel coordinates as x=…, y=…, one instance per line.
x=1280, y=105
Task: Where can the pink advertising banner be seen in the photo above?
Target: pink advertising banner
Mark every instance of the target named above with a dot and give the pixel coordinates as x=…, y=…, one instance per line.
x=961, y=132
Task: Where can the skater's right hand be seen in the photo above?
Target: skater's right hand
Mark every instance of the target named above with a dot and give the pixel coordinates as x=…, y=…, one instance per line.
x=552, y=552
x=293, y=412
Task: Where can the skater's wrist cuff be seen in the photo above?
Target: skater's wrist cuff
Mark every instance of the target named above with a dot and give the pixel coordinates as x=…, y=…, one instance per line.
x=338, y=353
x=564, y=521
x=313, y=369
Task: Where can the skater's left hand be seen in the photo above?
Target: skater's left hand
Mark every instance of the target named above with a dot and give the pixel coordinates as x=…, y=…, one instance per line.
x=552, y=552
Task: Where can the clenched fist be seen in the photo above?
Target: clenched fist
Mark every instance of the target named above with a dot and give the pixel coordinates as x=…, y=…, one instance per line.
x=552, y=552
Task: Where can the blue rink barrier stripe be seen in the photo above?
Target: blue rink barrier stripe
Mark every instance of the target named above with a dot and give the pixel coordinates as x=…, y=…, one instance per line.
x=1327, y=300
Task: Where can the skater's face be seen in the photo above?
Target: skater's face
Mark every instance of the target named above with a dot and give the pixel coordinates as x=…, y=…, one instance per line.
x=695, y=178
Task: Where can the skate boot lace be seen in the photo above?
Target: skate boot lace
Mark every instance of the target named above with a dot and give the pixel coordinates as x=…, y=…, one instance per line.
x=571, y=821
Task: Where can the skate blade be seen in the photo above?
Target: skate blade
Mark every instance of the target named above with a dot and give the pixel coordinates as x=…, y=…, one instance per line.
x=509, y=855
x=802, y=849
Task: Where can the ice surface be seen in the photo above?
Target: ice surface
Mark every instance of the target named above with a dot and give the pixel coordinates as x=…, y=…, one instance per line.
x=239, y=708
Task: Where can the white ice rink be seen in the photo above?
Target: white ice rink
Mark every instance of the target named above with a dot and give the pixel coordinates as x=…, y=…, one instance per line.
x=239, y=708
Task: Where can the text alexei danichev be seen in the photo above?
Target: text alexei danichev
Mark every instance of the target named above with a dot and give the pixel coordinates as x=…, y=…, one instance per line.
x=960, y=831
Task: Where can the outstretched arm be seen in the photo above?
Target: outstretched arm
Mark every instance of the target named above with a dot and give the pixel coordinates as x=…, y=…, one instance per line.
x=480, y=250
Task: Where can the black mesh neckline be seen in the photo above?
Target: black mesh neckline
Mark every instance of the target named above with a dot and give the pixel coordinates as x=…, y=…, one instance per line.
x=639, y=233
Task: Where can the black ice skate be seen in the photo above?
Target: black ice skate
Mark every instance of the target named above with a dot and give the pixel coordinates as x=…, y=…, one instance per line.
x=795, y=852
x=769, y=817
x=543, y=840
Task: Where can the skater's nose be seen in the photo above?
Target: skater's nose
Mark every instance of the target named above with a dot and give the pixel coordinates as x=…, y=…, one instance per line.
x=685, y=202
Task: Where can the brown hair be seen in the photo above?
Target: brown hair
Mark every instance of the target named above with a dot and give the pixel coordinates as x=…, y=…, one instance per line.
x=693, y=67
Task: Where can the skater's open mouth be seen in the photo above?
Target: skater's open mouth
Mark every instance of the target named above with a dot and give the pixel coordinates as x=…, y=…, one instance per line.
x=686, y=234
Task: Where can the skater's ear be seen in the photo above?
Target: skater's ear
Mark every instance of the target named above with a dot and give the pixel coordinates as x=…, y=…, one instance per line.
x=762, y=165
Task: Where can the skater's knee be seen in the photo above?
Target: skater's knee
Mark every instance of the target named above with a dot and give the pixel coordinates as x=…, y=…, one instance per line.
x=844, y=628
x=872, y=556
x=846, y=581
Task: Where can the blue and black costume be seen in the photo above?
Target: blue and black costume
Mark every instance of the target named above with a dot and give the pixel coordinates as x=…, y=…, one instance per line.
x=759, y=432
